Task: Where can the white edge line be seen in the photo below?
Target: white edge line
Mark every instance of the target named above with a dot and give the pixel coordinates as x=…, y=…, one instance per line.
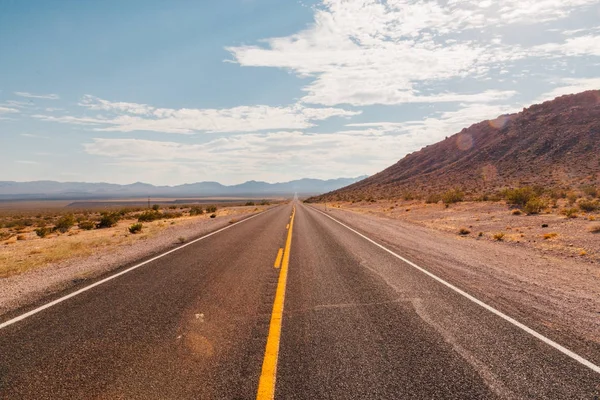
x=491, y=309
x=100, y=282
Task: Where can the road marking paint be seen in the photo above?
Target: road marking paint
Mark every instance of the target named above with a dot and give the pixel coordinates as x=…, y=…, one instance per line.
x=100, y=282
x=266, y=384
x=278, y=259
x=491, y=309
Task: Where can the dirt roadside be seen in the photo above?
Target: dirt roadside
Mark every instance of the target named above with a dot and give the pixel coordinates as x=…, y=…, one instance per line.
x=556, y=291
x=19, y=290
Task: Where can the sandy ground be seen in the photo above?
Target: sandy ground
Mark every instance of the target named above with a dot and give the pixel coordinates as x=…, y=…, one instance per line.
x=528, y=277
x=100, y=251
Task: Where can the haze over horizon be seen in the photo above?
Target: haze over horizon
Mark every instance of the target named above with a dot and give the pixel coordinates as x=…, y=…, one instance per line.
x=238, y=90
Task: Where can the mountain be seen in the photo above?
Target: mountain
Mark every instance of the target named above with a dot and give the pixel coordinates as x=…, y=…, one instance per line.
x=553, y=144
x=82, y=190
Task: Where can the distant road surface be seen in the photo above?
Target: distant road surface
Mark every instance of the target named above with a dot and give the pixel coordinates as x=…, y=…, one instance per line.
x=286, y=305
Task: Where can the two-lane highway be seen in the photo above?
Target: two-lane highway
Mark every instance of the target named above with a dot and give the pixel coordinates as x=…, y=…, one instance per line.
x=290, y=304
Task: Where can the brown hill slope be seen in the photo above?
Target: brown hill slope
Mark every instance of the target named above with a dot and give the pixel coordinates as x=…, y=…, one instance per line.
x=556, y=143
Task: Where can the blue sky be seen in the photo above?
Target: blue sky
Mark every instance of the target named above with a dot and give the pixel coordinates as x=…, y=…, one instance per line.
x=233, y=90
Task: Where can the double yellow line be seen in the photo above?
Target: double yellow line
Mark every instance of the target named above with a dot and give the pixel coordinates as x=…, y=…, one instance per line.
x=266, y=384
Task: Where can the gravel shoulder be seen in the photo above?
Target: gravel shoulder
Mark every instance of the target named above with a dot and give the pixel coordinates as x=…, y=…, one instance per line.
x=21, y=290
x=554, y=293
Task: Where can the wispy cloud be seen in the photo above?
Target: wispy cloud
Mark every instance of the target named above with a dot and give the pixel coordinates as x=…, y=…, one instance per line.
x=129, y=117
x=33, y=135
x=38, y=96
x=6, y=110
x=27, y=162
x=366, y=52
x=568, y=86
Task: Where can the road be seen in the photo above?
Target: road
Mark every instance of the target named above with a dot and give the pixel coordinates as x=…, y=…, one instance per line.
x=339, y=318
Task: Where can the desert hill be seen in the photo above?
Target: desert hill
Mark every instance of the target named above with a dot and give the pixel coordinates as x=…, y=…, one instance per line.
x=553, y=144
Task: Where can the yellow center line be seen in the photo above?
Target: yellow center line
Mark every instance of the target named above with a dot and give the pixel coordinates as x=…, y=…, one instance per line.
x=266, y=384
x=278, y=259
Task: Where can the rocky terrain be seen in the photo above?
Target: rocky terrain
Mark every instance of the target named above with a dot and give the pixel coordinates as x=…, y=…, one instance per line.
x=553, y=144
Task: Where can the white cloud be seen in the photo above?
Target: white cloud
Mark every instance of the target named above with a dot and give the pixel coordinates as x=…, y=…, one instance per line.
x=33, y=135
x=365, y=52
x=570, y=86
x=128, y=117
x=361, y=148
x=588, y=45
x=38, y=96
x=6, y=110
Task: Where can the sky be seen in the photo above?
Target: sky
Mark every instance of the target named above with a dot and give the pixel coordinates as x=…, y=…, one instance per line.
x=234, y=90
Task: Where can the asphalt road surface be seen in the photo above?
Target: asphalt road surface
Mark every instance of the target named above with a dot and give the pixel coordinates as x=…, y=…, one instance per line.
x=231, y=316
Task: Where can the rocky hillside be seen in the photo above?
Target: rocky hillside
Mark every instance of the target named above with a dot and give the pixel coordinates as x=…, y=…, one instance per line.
x=556, y=143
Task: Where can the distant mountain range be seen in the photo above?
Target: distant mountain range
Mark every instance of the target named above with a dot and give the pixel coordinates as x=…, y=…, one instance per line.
x=10, y=190
x=553, y=144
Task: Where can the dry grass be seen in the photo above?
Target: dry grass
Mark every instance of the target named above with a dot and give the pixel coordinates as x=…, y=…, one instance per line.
x=30, y=251
x=550, y=235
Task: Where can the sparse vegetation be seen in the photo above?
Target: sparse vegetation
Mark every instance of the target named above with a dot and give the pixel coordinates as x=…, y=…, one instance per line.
x=155, y=207
x=42, y=232
x=196, y=210
x=250, y=203
x=433, y=198
x=149, y=216
x=569, y=212
x=595, y=229
x=181, y=239
x=65, y=223
x=516, y=212
x=588, y=205
x=86, y=225
x=21, y=237
x=535, y=205
x=519, y=196
x=211, y=209
x=213, y=215
x=108, y=220
x=453, y=196
x=463, y=231
x=135, y=228
x=550, y=235
x=499, y=236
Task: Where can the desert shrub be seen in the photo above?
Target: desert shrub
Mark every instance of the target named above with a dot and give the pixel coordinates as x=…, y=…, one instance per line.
x=595, y=229
x=213, y=215
x=453, y=196
x=572, y=197
x=135, y=228
x=196, y=210
x=155, y=207
x=265, y=203
x=550, y=235
x=516, y=212
x=569, y=212
x=518, y=196
x=535, y=205
x=149, y=216
x=65, y=223
x=499, y=236
x=21, y=237
x=250, y=203
x=589, y=205
x=408, y=196
x=108, y=220
x=86, y=225
x=433, y=198
x=558, y=193
x=181, y=239
x=463, y=231
x=171, y=215
x=591, y=191
x=42, y=232
x=212, y=209
x=172, y=207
